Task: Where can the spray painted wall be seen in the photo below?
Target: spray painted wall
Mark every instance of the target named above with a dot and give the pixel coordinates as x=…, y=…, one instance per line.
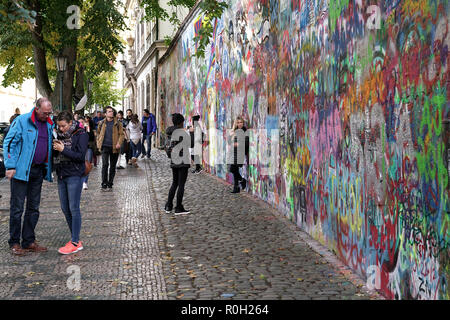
x=360, y=93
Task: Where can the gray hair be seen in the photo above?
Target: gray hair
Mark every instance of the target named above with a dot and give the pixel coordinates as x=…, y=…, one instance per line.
x=40, y=101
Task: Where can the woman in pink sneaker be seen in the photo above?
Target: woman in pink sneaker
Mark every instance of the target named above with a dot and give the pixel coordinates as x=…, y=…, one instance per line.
x=71, y=146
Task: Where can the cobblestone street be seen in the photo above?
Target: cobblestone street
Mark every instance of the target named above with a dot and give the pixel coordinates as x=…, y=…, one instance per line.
x=229, y=247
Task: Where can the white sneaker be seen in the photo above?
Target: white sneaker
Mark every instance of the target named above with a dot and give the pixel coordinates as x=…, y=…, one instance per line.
x=85, y=186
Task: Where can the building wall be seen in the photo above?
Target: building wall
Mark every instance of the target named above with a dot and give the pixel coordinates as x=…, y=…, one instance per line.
x=11, y=98
x=360, y=107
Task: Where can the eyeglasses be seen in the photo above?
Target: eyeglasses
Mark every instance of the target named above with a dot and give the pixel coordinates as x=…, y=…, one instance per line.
x=48, y=114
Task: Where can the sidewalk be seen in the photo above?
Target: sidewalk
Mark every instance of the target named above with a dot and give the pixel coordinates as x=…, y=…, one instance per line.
x=230, y=247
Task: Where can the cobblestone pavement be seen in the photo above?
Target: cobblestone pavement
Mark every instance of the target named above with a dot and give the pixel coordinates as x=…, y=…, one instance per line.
x=229, y=247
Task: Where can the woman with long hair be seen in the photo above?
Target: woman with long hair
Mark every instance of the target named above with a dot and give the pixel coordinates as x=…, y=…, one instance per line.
x=238, y=146
x=69, y=159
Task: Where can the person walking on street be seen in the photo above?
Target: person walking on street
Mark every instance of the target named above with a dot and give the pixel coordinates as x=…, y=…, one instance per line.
x=238, y=147
x=99, y=117
x=88, y=127
x=69, y=159
x=149, y=130
x=27, y=150
x=128, y=154
x=180, y=163
x=134, y=129
x=126, y=141
x=197, y=140
x=109, y=139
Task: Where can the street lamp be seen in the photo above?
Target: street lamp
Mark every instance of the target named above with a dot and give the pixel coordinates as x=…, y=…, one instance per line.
x=90, y=85
x=61, y=65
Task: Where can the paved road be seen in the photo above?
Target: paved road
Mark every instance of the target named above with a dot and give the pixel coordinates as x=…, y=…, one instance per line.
x=230, y=247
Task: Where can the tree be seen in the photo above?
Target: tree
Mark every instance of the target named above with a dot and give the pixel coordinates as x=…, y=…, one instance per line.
x=212, y=9
x=103, y=92
x=32, y=35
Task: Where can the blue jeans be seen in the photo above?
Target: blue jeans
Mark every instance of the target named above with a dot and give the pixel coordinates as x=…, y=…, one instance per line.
x=149, y=145
x=69, y=190
x=89, y=156
x=135, y=149
x=30, y=190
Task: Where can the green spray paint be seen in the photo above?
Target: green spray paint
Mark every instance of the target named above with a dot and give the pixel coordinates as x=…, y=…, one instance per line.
x=335, y=9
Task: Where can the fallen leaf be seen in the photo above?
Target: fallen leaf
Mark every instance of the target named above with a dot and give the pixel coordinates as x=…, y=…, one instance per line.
x=246, y=250
x=300, y=279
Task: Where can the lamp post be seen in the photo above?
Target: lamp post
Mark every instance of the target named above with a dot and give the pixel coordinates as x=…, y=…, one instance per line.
x=61, y=65
x=90, y=85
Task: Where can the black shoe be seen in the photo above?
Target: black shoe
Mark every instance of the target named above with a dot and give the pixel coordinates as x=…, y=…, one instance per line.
x=120, y=167
x=181, y=210
x=243, y=183
x=236, y=190
x=110, y=185
x=104, y=186
x=168, y=208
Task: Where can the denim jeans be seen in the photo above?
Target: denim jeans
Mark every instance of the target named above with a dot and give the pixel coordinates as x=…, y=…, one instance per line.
x=69, y=190
x=30, y=190
x=89, y=157
x=135, y=149
x=149, y=145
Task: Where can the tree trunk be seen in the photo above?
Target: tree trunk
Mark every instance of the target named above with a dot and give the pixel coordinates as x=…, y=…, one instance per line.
x=39, y=54
x=69, y=75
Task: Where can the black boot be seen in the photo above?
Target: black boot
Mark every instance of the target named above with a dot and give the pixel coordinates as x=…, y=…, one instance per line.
x=243, y=184
x=236, y=189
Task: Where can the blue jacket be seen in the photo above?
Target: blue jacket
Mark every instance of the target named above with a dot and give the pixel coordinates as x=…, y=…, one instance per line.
x=19, y=146
x=151, y=124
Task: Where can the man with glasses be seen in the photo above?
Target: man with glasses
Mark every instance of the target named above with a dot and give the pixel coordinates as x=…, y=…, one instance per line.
x=27, y=152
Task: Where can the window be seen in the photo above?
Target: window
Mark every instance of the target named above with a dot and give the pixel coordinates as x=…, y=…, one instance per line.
x=142, y=96
x=148, y=92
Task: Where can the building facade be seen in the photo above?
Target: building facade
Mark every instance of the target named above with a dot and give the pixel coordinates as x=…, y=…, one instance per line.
x=12, y=98
x=145, y=45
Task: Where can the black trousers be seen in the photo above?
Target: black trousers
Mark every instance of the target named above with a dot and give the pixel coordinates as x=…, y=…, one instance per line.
x=109, y=159
x=178, y=182
x=234, y=169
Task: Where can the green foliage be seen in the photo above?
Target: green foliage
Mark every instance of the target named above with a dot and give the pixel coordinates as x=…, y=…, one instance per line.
x=103, y=92
x=14, y=11
x=97, y=42
x=100, y=40
x=212, y=9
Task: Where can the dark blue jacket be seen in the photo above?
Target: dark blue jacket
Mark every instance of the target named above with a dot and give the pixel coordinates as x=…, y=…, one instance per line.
x=151, y=124
x=71, y=161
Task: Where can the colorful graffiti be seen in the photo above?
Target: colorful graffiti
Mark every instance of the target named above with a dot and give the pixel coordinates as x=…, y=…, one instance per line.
x=362, y=106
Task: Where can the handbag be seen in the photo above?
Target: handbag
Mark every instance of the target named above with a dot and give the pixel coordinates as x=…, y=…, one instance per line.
x=88, y=168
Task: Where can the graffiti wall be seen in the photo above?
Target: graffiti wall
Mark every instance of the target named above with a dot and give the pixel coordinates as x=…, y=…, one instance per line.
x=359, y=93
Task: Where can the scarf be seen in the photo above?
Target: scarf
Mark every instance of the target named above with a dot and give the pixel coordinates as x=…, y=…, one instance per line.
x=66, y=137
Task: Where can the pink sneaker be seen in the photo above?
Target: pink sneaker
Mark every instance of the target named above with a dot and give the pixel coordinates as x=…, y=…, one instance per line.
x=70, y=248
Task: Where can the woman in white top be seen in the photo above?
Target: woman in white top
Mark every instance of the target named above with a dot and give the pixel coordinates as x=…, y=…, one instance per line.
x=135, y=130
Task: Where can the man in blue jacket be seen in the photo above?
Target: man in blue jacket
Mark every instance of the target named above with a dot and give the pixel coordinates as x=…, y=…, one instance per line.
x=27, y=151
x=148, y=130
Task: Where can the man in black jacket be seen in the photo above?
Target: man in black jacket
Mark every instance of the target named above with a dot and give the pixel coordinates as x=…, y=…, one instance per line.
x=178, y=151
